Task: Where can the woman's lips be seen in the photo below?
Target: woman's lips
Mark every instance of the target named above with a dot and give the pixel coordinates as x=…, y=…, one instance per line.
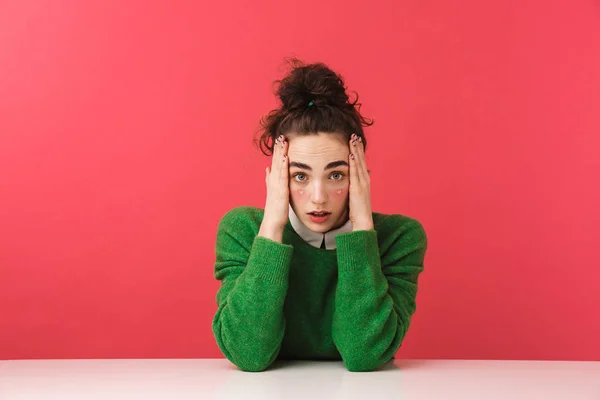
x=319, y=219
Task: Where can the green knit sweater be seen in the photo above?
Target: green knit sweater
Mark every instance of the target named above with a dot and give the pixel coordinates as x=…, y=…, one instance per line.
x=291, y=300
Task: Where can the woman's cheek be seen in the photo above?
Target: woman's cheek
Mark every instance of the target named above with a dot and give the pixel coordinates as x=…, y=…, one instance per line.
x=341, y=192
x=297, y=192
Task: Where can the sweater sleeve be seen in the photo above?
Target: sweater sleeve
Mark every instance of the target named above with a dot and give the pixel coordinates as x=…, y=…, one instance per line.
x=249, y=323
x=375, y=296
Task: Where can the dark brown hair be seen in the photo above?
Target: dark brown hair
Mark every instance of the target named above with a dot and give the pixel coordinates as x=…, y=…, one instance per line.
x=313, y=99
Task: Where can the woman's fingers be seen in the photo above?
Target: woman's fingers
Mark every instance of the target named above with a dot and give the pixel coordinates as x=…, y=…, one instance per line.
x=279, y=162
x=353, y=164
x=276, y=212
x=284, y=163
x=276, y=160
x=361, y=164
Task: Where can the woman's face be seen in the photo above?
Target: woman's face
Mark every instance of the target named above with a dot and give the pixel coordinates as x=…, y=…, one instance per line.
x=319, y=179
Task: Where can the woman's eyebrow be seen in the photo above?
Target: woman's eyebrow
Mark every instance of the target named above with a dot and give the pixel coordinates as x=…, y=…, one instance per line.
x=335, y=164
x=300, y=165
x=331, y=165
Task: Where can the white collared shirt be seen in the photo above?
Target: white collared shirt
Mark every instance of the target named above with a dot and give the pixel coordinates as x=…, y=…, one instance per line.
x=315, y=239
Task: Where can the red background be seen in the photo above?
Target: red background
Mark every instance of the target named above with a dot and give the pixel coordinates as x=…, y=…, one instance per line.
x=126, y=133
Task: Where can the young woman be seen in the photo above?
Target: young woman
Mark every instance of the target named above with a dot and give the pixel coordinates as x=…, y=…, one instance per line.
x=315, y=274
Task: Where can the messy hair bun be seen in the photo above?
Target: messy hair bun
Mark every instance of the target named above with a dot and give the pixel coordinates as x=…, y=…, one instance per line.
x=313, y=99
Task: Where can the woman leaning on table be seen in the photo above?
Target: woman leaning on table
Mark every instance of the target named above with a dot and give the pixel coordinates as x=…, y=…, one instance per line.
x=315, y=275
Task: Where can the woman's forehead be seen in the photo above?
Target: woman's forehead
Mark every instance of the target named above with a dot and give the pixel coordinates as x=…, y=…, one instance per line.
x=318, y=148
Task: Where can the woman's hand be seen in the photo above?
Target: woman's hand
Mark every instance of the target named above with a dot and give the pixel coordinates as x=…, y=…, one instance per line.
x=278, y=193
x=360, y=187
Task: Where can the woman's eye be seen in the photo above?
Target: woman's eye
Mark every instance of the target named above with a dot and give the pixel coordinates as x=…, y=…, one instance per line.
x=337, y=176
x=300, y=177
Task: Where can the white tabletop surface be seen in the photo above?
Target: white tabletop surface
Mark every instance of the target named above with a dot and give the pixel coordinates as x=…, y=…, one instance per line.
x=203, y=379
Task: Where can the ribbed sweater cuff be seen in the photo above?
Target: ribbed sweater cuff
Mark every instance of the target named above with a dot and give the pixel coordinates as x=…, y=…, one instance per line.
x=270, y=260
x=357, y=248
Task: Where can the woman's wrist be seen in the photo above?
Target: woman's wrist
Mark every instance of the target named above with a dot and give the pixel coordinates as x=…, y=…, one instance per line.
x=272, y=232
x=363, y=226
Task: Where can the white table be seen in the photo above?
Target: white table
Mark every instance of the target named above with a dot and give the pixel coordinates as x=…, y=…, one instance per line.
x=203, y=379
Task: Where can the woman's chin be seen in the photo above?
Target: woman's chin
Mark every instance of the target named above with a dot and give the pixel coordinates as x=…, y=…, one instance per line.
x=321, y=227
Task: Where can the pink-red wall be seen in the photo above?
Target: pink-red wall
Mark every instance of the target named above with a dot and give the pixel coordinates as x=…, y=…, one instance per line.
x=126, y=132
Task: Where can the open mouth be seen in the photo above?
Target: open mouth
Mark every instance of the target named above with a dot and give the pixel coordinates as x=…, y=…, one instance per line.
x=319, y=214
x=319, y=217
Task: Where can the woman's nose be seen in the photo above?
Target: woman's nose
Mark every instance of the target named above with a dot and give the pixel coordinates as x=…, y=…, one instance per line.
x=318, y=194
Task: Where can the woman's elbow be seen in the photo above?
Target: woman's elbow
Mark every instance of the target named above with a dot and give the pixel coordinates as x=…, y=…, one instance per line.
x=362, y=365
x=256, y=364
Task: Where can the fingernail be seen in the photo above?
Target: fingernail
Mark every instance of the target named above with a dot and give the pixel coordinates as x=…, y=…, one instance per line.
x=352, y=156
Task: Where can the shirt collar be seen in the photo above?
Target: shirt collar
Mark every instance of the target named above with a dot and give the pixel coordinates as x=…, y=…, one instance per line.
x=316, y=238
